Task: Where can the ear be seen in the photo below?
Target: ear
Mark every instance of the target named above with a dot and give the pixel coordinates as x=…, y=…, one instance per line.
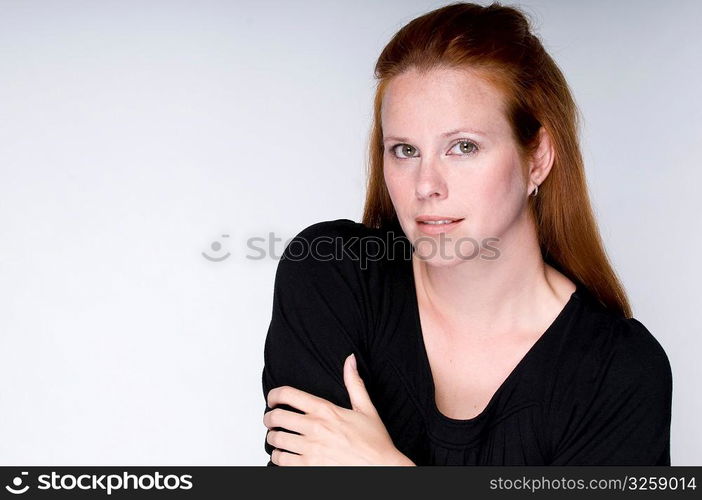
x=542, y=161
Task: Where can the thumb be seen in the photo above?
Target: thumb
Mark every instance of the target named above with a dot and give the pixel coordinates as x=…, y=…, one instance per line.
x=360, y=400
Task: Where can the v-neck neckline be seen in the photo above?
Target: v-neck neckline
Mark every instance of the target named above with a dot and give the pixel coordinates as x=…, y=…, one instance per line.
x=426, y=365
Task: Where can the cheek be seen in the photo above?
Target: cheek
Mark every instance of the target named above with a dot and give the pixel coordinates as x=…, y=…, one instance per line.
x=397, y=184
x=507, y=185
x=499, y=196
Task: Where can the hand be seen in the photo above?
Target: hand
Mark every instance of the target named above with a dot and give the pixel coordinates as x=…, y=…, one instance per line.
x=329, y=434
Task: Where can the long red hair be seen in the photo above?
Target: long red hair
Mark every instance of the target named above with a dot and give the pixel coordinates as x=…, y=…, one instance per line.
x=496, y=41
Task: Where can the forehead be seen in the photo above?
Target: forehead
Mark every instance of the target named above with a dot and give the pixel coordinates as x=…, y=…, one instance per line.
x=442, y=98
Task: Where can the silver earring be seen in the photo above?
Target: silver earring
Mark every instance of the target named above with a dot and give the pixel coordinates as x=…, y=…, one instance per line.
x=534, y=193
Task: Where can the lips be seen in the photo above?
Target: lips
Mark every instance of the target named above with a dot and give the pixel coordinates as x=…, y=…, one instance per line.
x=433, y=218
x=431, y=229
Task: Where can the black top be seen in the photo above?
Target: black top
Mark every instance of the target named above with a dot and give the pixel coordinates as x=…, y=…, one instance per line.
x=595, y=388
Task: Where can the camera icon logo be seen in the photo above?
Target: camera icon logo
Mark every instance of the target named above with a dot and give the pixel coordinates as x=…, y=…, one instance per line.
x=17, y=483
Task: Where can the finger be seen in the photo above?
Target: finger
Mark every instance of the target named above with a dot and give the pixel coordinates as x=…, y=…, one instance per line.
x=296, y=398
x=286, y=441
x=283, y=458
x=358, y=395
x=290, y=420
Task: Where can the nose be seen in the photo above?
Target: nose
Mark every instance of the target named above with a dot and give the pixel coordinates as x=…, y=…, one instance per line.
x=430, y=182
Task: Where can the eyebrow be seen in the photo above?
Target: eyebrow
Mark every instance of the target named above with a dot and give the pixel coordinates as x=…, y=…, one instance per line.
x=445, y=134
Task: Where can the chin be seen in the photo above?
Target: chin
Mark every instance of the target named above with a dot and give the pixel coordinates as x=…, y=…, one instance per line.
x=441, y=262
x=431, y=252
x=446, y=250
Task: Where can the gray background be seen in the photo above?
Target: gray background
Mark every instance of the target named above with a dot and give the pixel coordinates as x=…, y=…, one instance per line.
x=134, y=134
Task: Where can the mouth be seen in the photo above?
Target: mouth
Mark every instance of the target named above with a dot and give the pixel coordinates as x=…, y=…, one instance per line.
x=436, y=225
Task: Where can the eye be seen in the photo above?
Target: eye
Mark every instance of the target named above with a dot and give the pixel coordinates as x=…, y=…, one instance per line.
x=405, y=148
x=466, y=147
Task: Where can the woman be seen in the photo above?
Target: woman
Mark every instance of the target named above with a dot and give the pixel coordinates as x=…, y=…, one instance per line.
x=476, y=298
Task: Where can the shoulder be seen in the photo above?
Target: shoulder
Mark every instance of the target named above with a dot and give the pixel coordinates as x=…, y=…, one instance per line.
x=629, y=348
x=596, y=334
x=635, y=341
x=327, y=235
x=637, y=358
x=341, y=243
x=325, y=258
x=612, y=401
x=336, y=227
x=319, y=290
x=607, y=352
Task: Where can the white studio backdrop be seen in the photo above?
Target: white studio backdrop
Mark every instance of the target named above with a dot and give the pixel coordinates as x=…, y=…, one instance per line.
x=136, y=137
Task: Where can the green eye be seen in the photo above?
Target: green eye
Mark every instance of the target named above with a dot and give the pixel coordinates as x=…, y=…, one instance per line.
x=406, y=150
x=466, y=147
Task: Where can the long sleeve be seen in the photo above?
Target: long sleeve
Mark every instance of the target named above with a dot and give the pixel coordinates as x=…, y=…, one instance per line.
x=619, y=411
x=318, y=317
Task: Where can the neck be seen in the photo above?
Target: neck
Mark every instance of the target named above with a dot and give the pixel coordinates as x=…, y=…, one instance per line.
x=509, y=294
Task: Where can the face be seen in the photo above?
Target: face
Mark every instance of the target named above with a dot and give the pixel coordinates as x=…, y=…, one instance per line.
x=449, y=152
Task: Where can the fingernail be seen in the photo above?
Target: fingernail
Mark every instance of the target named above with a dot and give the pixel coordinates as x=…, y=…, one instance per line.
x=353, y=362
